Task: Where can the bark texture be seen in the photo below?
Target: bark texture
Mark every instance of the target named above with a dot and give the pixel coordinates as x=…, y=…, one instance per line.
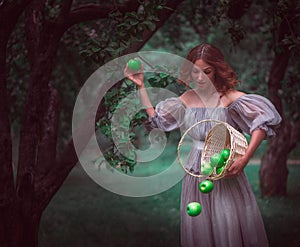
x=274, y=170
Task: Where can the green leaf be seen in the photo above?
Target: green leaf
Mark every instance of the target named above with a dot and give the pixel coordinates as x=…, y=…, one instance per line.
x=151, y=25
x=134, y=22
x=163, y=75
x=131, y=14
x=96, y=49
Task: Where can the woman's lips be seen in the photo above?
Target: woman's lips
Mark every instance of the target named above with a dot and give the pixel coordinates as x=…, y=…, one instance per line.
x=201, y=82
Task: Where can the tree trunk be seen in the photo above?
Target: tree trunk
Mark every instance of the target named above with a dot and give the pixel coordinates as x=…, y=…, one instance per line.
x=19, y=227
x=274, y=171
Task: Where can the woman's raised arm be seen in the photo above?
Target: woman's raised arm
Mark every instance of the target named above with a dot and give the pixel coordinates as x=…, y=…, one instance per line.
x=138, y=79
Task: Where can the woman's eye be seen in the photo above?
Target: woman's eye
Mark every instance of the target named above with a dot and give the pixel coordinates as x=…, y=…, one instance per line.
x=207, y=72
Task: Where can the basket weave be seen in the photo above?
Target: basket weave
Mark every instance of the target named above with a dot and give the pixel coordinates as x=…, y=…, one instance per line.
x=220, y=136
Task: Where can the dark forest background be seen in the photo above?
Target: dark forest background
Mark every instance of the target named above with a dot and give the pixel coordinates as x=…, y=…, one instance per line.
x=48, y=49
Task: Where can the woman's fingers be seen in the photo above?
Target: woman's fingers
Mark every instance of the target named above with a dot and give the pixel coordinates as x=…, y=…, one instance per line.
x=235, y=169
x=137, y=78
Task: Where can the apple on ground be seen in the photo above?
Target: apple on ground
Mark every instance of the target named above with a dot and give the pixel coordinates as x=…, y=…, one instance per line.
x=206, y=186
x=193, y=208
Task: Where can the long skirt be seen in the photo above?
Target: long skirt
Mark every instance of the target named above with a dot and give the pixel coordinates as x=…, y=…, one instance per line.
x=230, y=215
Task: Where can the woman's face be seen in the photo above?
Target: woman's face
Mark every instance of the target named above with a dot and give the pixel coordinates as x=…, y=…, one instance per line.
x=203, y=75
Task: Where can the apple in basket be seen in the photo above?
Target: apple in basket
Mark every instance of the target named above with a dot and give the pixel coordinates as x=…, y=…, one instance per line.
x=225, y=153
x=206, y=186
x=193, y=208
x=220, y=169
x=217, y=160
x=206, y=169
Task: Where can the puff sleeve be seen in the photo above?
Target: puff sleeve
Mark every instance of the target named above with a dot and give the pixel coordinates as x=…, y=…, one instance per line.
x=252, y=111
x=169, y=115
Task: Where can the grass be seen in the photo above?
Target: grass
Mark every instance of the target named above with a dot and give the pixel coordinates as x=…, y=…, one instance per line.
x=84, y=214
x=281, y=214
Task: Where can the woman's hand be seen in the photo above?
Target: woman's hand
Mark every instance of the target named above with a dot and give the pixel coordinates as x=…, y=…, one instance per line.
x=136, y=77
x=236, y=167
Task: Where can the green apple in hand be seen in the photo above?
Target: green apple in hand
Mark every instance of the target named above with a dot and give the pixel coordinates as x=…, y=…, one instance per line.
x=206, y=169
x=206, y=186
x=134, y=65
x=193, y=208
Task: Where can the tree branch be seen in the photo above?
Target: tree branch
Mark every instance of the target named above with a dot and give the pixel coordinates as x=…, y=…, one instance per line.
x=89, y=12
x=278, y=68
x=9, y=15
x=163, y=17
x=33, y=28
x=237, y=8
x=65, y=9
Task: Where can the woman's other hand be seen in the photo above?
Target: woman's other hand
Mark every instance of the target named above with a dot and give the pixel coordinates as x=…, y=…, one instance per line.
x=237, y=167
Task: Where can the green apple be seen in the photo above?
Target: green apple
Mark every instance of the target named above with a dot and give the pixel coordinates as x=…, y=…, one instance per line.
x=217, y=160
x=225, y=153
x=206, y=169
x=220, y=169
x=206, y=186
x=134, y=65
x=193, y=208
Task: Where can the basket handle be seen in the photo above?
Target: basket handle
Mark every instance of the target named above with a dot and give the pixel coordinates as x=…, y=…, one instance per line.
x=181, y=141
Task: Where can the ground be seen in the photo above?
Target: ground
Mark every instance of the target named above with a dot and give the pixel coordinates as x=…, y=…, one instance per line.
x=84, y=214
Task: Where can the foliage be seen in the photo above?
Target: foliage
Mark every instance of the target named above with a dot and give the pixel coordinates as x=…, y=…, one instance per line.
x=247, y=41
x=290, y=93
x=123, y=138
x=124, y=131
x=119, y=31
x=246, y=37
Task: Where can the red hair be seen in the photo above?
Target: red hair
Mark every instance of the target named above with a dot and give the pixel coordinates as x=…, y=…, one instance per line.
x=225, y=77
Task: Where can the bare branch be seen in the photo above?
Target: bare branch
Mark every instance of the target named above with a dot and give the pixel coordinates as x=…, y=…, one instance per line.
x=33, y=28
x=89, y=12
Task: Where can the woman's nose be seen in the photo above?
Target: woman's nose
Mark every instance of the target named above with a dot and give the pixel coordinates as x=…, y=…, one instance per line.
x=200, y=76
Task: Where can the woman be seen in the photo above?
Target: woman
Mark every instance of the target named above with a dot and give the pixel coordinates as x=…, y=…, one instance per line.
x=230, y=215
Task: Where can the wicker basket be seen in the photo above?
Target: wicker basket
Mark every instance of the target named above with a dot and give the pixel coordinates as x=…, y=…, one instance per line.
x=220, y=136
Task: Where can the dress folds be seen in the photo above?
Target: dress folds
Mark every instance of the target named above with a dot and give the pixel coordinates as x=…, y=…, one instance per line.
x=230, y=215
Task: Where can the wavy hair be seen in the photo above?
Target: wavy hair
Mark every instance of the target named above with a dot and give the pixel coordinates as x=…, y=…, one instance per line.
x=225, y=77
